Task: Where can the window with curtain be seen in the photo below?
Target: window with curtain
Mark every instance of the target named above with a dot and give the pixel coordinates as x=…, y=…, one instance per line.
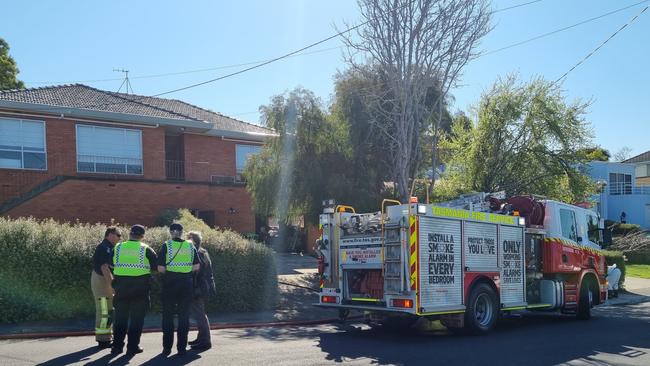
x=22, y=144
x=109, y=150
x=243, y=153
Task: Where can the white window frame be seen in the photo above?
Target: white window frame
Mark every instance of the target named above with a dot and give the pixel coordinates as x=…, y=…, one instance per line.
x=22, y=148
x=126, y=170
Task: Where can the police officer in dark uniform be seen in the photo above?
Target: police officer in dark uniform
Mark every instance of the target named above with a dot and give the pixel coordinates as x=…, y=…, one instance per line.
x=177, y=259
x=133, y=262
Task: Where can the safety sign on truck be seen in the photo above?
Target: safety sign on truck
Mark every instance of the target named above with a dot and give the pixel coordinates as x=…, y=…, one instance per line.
x=440, y=250
x=361, y=250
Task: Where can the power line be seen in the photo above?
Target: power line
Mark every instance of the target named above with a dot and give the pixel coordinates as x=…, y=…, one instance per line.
x=193, y=71
x=563, y=29
x=258, y=65
x=602, y=44
x=295, y=54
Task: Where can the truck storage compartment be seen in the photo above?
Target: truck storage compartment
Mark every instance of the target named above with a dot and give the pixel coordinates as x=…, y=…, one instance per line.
x=364, y=284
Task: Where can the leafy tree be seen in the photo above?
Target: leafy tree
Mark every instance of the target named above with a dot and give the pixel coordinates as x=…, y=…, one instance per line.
x=595, y=153
x=527, y=140
x=305, y=164
x=8, y=69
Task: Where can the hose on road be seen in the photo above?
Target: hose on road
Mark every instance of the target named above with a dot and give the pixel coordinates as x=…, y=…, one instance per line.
x=299, y=286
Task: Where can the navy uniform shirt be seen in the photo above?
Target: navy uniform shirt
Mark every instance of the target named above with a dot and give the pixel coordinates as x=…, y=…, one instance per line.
x=103, y=255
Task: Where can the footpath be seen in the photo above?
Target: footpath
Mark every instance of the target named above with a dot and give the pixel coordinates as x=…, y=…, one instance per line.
x=297, y=277
x=637, y=290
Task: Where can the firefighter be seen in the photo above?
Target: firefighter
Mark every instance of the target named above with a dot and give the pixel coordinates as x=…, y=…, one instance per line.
x=101, y=284
x=177, y=259
x=133, y=262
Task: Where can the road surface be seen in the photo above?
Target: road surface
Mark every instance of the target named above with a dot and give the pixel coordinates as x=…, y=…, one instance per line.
x=617, y=335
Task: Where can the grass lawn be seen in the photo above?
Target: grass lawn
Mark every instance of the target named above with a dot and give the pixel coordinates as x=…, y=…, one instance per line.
x=638, y=270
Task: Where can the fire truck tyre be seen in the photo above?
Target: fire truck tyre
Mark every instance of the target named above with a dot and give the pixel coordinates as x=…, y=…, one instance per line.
x=343, y=315
x=482, y=310
x=586, y=301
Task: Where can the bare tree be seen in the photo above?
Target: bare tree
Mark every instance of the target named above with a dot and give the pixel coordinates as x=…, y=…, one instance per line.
x=416, y=46
x=622, y=154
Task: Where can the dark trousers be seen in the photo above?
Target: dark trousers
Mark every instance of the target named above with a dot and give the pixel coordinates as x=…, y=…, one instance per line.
x=176, y=299
x=202, y=322
x=129, y=317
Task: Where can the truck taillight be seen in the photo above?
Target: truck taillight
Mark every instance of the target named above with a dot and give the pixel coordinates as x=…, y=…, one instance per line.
x=328, y=299
x=402, y=303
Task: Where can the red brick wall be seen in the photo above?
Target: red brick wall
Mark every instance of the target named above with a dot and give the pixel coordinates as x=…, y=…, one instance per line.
x=209, y=155
x=137, y=202
x=62, y=157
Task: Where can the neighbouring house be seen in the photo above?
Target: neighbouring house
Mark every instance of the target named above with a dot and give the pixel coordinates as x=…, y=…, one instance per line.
x=642, y=168
x=73, y=152
x=621, y=192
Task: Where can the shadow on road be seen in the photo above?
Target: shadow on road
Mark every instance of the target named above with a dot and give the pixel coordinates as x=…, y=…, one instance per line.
x=72, y=357
x=530, y=340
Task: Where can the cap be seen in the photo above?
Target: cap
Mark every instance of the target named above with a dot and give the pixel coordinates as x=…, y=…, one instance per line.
x=137, y=230
x=175, y=227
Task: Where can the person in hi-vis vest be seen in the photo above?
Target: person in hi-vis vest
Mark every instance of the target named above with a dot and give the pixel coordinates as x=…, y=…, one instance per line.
x=101, y=280
x=133, y=262
x=177, y=259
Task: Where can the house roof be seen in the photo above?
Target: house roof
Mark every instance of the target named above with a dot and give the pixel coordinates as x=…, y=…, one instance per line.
x=641, y=158
x=84, y=98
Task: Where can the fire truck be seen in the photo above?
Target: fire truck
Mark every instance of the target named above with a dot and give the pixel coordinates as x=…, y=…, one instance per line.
x=465, y=262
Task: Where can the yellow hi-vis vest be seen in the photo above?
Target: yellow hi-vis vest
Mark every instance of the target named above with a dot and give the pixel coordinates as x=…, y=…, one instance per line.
x=180, y=256
x=130, y=259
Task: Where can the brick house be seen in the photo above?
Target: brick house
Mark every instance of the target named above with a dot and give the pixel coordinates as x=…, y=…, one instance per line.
x=73, y=152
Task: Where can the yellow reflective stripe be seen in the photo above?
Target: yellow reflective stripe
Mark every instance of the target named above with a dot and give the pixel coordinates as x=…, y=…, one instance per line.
x=364, y=299
x=413, y=237
x=104, y=305
x=102, y=330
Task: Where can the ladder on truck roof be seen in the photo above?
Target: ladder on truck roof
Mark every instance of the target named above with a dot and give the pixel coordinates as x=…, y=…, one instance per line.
x=392, y=254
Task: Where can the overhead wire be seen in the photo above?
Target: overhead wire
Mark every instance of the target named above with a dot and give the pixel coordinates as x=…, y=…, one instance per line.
x=602, y=44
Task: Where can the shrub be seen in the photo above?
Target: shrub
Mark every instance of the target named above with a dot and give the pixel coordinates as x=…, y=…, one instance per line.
x=45, y=268
x=624, y=229
x=612, y=257
x=167, y=217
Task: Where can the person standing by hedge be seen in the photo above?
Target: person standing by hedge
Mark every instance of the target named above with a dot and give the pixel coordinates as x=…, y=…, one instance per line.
x=204, y=288
x=133, y=262
x=101, y=280
x=177, y=260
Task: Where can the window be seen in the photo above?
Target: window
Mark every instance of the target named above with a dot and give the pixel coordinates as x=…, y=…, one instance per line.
x=592, y=229
x=243, y=153
x=568, y=223
x=620, y=183
x=22, y=144
x=643, y=170
x=109, y=150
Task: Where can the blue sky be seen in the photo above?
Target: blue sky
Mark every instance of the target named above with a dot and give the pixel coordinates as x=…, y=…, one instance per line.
x=78, y=41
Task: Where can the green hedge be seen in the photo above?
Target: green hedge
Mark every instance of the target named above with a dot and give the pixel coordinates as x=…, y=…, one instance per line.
x=45, y=268
x=621, y=229
x=616, y=257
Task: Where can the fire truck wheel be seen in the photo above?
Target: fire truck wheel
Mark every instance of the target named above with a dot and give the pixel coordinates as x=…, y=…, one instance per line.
x=482, y=310
x=343, y=315
x=586, y=301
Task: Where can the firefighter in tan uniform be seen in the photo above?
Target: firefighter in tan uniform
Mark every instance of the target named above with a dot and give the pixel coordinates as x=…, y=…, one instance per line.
x=100, y=283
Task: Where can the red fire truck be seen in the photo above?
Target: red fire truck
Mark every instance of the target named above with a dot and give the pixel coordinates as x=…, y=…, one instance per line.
x=465, y=266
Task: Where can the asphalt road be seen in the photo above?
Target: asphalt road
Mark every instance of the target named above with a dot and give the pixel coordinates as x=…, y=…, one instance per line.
x=615, y=336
